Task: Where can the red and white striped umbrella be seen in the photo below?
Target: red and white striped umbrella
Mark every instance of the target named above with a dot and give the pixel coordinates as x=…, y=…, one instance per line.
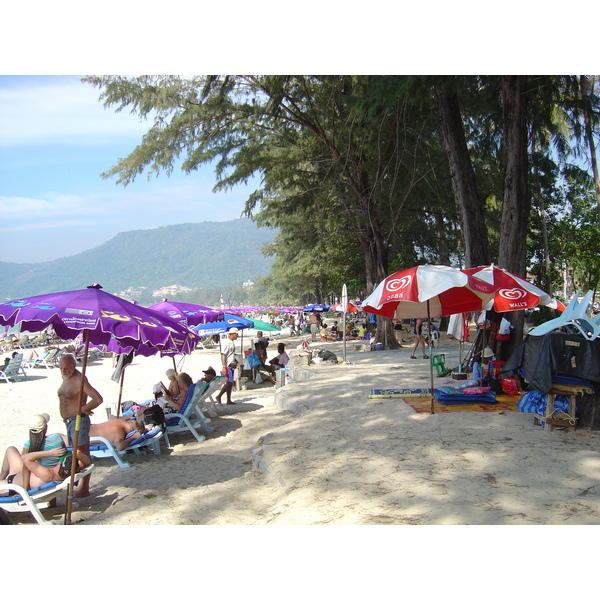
x=350, y=307
x=428, y=291
x=511, y=291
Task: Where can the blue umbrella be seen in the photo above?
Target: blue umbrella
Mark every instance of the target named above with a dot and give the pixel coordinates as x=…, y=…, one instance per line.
x=223, y=326
x=316, y=308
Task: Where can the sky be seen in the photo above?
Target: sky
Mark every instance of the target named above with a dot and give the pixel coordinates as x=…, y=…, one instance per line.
x=56, y=138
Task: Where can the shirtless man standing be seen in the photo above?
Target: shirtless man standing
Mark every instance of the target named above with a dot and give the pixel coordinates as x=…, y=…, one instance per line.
x=68, y=396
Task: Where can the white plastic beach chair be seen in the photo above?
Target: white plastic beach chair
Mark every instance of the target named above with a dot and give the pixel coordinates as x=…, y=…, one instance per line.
x=101, y=448
x=37, y=499
x=191, y=416
x=13, y=369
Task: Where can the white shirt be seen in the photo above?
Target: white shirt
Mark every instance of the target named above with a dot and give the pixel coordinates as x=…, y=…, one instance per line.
x=228, y=349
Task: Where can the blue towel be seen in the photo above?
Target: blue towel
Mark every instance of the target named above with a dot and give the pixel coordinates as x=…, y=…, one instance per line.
x=535, y=402
x=487, y=398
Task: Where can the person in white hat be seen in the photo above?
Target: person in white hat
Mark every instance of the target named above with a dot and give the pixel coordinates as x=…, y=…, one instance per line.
x=39, y=462
x=228, y=364
x=486, y=368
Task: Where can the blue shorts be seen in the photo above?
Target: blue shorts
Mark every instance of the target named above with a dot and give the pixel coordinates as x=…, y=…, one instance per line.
x=230, y=373
x=84, y=430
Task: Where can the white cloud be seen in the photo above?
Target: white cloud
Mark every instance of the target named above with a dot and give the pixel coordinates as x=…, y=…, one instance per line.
x=60, y=110
x=48, y=206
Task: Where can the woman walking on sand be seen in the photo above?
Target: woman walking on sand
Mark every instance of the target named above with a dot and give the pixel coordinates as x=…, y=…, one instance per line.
x=419, y=339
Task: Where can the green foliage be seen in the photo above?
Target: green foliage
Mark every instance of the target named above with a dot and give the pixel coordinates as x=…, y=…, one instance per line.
x=353, y=170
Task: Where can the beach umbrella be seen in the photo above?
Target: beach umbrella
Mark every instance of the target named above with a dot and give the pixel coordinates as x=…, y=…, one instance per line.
x=100, y=316
x=229, y=321
x=189, y=314
x=316, y=308
x=262, y=326
x=223, y=326
x=350, y=307
x=428, y=291
x=458, y=328
x=512, y=292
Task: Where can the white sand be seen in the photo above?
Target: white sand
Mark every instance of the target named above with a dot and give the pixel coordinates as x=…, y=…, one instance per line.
x=342, y=460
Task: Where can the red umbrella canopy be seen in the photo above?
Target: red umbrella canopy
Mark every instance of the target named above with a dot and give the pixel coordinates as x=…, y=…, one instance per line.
x=428, y=290
x=511, y=292
x=350, y=307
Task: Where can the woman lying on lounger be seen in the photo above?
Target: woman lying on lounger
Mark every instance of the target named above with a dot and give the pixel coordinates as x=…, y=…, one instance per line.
x=44, y=459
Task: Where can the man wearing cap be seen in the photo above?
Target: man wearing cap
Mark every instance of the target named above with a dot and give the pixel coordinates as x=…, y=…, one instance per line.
x=228, y=364
x=68, y=396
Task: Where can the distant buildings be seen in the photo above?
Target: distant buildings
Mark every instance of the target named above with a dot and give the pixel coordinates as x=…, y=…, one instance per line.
x=170, y=290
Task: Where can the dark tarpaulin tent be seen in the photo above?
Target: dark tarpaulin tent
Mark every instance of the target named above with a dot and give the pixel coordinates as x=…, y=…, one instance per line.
x=556, y=351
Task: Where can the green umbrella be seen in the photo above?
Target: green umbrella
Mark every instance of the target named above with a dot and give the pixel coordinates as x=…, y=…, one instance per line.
x=262, y=326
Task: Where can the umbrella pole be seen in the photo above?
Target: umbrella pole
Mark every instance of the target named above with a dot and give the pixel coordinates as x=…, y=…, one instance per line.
x=344, y=328
x=86, y=338
x=432, y=410
x=121, y=391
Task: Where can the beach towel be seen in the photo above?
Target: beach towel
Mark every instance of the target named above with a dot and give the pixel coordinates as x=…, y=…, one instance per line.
x=485, y=398
x=399, y=393
x=535, y=402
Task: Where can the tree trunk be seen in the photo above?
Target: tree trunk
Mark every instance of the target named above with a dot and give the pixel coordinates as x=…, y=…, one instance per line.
x=516, y=202
x=590, y=138
x=376, y=264
x=464, y=184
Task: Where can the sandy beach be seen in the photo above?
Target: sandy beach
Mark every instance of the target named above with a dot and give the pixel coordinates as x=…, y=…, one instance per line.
x=318, y=451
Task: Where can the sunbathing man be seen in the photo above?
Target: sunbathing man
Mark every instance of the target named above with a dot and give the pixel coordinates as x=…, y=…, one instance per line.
x=117, y=430
x=68, y=396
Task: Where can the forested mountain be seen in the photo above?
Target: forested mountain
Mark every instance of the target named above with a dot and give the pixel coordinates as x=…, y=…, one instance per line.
x=193, y=255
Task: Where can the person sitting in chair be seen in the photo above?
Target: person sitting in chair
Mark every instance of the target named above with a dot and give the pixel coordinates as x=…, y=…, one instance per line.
x=279, y=361
x=40, y=462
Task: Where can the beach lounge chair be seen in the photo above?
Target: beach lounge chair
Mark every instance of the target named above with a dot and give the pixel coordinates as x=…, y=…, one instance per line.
x=23, y=342
x=101, y=448
x=46, y=360
x=13, y=369
x=191, y=417
x=37, y=499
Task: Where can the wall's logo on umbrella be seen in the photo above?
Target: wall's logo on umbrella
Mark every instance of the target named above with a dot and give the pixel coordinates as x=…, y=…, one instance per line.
x=514, y=294
x=395, y=285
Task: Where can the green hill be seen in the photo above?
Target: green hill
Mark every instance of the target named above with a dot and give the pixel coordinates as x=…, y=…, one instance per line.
x=194, y=255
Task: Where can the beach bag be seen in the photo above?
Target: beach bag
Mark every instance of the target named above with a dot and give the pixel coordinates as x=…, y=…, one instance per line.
x=509, y=386
x=253, y=361
x=66, y=464
x=326, y=355
x=154, y=415
x=258, y=378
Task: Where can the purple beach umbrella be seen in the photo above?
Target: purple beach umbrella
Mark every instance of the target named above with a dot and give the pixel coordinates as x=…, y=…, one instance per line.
x=190, y=314
x=100, y=316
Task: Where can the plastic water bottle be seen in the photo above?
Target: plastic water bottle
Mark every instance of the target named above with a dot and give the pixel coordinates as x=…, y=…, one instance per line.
x=288, y=377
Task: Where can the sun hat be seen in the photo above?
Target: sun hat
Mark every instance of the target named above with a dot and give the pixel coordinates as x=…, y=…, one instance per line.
x=210, y=370
x=38, y=422
x=233, y=330
x=488, y=353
